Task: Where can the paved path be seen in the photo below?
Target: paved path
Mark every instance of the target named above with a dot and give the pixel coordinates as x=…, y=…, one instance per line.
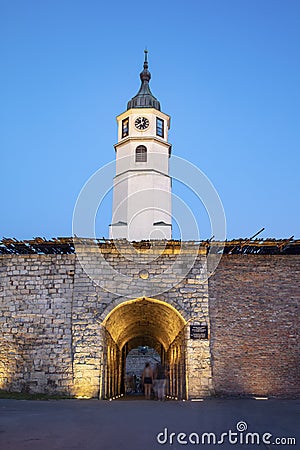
x=134, y=425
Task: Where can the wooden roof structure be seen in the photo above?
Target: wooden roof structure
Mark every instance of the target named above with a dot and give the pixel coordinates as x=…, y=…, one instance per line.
x=66, y=245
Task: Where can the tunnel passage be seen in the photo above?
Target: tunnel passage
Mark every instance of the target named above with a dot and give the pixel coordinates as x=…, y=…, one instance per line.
x=135, y=363
x=144, y=322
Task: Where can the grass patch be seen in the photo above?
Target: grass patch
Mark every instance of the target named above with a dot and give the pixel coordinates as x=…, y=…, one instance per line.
x=28, y=396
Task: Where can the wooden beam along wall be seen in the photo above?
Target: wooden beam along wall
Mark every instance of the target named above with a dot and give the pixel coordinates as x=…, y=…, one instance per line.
x=66, y=245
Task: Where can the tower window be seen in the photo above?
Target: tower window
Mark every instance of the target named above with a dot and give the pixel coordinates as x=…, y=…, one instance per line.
x=141, y=154
x=159, y=127
x=125, y=127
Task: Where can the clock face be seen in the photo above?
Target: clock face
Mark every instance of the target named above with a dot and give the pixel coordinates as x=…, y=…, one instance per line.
x=141, y=123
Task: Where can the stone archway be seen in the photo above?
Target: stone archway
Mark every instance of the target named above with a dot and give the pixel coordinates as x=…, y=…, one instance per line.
x=140, y=322
x=100, y=344
x=105, y=327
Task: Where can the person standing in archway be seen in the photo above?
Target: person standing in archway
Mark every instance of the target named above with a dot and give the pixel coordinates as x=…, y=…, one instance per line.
x=147, y=379
x=160, y=382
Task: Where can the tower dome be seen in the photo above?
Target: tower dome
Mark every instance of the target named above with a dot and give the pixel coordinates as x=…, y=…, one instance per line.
x=144, y=98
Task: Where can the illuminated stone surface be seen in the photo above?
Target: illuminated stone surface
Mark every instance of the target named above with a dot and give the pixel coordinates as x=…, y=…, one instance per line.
x=60, y=332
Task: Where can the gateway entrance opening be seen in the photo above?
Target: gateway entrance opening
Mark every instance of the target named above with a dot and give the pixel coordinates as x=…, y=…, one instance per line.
x=139, y=331
x=135, y=363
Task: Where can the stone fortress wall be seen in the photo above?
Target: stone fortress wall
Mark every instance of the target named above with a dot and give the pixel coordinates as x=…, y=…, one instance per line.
x=36, y=295
x=56, y=338
x=254, y=315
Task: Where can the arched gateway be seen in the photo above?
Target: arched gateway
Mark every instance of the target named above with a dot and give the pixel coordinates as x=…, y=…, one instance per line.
x=144, y=322
x=101, y=348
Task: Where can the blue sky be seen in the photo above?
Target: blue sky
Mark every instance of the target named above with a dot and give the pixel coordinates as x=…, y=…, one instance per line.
x=226, y=71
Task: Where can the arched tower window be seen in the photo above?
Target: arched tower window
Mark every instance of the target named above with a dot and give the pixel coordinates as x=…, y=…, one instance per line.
x=141, y=154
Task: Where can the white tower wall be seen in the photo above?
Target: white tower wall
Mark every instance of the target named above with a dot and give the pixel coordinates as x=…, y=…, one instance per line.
x=142, y=207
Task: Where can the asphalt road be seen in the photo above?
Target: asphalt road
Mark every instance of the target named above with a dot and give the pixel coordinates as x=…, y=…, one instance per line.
x=135, y=425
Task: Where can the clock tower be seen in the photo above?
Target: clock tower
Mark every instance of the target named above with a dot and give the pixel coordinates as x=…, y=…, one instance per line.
x=142, y=185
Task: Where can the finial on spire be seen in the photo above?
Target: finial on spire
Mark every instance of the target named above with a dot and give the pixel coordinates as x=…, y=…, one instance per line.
x=146, y=59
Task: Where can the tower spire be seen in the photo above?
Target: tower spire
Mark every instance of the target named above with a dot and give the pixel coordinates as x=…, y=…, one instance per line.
x=144, y=98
